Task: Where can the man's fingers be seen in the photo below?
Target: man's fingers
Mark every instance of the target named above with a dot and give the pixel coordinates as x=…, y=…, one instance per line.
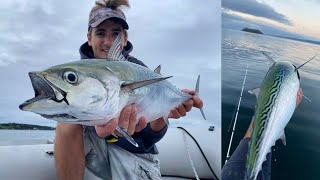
x=197, y=102
x=182, y=110
x=107, y=129
x=132, y=120
x=299, y=97
x=188, y=105
x=191, y=92
x=125, y=116
x=174, y=114
x=142, y=124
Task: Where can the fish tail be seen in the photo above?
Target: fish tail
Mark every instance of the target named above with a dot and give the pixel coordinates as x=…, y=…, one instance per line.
x=166, y=119
x=197, y=94
x=126, y=135
x=247, y=176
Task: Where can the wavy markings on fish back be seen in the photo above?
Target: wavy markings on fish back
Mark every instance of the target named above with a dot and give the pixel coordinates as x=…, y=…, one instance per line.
x=263, y=114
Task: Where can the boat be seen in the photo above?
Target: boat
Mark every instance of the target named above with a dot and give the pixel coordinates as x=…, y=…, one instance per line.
x=186, y=152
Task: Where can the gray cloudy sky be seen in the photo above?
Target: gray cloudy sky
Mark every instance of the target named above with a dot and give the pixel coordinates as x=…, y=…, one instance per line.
x=255, y=8
x=183, y=36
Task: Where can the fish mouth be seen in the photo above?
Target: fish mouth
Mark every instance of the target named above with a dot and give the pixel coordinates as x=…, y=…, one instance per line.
x=43, y=89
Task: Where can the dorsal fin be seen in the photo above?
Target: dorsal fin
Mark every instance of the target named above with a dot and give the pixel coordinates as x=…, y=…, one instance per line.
x=115, y=51
x=158, y=69
x=270, y=60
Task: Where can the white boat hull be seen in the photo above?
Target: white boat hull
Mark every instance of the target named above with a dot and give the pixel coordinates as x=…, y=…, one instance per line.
x=29, y=160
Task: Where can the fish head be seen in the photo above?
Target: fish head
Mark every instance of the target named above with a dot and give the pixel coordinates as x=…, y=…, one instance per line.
x=288, y=69
x=74, y=93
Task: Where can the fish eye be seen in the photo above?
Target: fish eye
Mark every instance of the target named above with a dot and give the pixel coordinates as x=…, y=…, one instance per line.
x=70, y=77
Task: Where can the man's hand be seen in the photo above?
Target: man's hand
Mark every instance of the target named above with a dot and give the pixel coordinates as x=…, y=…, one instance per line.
x=186, y=106
x=178, y=112
x=126, y=120
x=299, y=97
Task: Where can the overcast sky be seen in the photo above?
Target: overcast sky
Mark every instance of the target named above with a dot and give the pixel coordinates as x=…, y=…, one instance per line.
x=184, y=36
x=296, y=19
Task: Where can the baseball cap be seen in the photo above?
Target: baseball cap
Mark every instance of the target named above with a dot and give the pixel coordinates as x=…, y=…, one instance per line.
x=99, y=15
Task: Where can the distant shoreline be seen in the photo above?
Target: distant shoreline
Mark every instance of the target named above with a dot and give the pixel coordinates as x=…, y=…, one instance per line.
x=17, y=126
x=256, y=31
x=290, y=38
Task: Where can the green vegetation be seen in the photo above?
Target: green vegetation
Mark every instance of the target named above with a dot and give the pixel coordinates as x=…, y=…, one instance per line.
x=252, y=30
x=17, y=126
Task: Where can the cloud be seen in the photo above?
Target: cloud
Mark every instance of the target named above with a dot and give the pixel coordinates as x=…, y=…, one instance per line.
x=255, y=8
x=32, y=31
x=35, y=35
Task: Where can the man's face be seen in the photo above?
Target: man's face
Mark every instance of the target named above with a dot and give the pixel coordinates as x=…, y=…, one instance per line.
x=102, y=37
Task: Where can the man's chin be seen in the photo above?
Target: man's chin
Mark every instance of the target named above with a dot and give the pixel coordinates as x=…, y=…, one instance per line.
x=101, y=56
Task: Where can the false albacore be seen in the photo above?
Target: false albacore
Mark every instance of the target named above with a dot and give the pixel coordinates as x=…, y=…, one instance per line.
x=276, y=102
x=92, y=92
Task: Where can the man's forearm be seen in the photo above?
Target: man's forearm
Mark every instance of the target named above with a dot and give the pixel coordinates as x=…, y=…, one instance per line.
x=69, y=152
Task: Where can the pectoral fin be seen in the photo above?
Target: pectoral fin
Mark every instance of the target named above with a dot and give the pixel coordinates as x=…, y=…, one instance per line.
x=126, y=135
x=283, y=138
x=271, y=61
x=138, y=84
x=255, y=92
x=306, y=98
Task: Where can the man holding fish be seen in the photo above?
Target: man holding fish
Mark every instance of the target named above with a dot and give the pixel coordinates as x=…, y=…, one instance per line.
x=77, y=146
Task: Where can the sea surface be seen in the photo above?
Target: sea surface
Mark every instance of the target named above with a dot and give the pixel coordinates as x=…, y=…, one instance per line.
x=21, y=137
x=300, y=158
x=13, y=137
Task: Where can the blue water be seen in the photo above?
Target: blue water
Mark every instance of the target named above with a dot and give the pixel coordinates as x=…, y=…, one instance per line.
x=300, y=159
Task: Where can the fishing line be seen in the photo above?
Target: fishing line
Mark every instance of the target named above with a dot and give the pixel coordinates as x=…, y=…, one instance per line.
x=230, y=125
x=235, y=121
x=204, y=156
x=190, y=159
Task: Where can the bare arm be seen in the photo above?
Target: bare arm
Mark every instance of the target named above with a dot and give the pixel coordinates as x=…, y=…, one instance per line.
x=69, y=151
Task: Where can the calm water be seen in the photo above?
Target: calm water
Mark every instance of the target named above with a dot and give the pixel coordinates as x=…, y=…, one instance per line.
x=25, y=135
x=300, y=159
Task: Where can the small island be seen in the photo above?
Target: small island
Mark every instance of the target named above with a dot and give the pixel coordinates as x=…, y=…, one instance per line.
x=16, y=126
x=252, y=30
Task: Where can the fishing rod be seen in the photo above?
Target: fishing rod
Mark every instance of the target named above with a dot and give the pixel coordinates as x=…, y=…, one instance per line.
x=235, y=121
